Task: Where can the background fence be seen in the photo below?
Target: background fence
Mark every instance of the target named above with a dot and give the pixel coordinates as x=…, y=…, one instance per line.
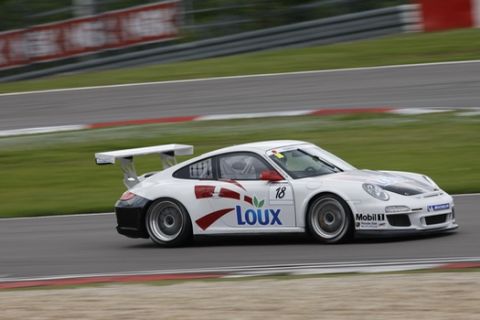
x=360, y=25
x=203, y=18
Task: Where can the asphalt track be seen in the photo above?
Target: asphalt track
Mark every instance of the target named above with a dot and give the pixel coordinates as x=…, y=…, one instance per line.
x=89, y=244
x=451, y=85
x=70, y=245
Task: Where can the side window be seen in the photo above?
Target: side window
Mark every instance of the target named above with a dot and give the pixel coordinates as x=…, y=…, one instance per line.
x=241, y=166
x=198, y=170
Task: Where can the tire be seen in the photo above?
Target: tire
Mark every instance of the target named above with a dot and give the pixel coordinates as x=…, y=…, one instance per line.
x=168, y=223
x=329, y=219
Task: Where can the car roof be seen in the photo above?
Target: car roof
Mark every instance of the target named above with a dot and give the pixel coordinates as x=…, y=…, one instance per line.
x=259, y=146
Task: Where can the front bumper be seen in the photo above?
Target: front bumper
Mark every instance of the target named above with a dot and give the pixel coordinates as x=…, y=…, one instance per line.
x=392, y=233
x=426, y=214
x=131, y=217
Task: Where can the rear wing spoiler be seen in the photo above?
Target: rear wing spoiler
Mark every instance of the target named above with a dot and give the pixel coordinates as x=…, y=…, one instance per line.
x=167, y=154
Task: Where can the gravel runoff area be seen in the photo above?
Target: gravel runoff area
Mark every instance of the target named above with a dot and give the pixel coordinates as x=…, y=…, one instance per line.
x=437, y=295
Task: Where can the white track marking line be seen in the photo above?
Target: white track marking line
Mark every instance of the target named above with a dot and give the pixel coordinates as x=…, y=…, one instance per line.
x=388, y=264
x=233, y=116
x=467, y=195
x=372, y=269
x=112, y=213
x=469, y=113
x=78, y=215
x=26, y=131
x=242, y=77
x=418, y=111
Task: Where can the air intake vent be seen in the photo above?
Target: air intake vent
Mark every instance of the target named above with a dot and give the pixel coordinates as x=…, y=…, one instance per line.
x=399, y=220
x=441, y=218
x=403, y=190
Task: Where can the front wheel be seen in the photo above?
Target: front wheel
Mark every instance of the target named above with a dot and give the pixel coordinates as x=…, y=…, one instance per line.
x=329, y=219
x=168, y=223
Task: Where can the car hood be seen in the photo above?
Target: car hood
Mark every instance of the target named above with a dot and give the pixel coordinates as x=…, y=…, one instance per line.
x=407, y=184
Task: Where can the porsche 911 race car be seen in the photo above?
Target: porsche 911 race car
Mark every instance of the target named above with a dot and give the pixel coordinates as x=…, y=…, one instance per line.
x=271, y=187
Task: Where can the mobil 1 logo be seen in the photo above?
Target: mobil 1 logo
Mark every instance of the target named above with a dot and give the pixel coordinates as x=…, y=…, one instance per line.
x=369, y=221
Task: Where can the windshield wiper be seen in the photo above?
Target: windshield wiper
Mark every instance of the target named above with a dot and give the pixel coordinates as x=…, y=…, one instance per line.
x=328, y=164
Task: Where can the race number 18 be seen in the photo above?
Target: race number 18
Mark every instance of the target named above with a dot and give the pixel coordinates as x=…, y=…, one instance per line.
x=280, y=192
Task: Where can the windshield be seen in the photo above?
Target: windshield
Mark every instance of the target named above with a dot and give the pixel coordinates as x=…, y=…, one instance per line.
x=302, y=163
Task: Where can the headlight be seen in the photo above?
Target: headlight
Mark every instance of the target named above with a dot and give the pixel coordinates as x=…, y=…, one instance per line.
x=376, y=191
x=396, y=209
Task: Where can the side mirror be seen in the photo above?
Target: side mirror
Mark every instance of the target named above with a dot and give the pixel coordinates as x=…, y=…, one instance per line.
x=271, y=175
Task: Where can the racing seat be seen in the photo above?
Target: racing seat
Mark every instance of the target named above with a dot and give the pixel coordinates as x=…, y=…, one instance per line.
x=238, y=169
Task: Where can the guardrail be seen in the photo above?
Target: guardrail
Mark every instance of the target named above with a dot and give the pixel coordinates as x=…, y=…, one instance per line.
x=368, y=24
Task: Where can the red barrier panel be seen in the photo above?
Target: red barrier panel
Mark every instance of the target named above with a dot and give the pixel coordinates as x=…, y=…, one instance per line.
x=446, y=14
x=115, y=29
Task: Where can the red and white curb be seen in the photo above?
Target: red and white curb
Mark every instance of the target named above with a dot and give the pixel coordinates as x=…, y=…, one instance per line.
x=310, y=112
x=246, y=271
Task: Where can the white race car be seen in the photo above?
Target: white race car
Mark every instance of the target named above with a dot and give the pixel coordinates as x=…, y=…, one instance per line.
x=272, y=187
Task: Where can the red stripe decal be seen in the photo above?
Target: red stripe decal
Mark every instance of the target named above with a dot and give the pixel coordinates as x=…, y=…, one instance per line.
x=227, y=193
x=204, y=191
x=206, y=221
x=140, y=122
x=248, y=199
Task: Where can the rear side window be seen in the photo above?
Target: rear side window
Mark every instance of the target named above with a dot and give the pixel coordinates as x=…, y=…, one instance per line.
x=199, y=170
x=241, y=166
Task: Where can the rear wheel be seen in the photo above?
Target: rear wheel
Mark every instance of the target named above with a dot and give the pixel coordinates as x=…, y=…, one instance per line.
x=168, y=223
x=329, y=219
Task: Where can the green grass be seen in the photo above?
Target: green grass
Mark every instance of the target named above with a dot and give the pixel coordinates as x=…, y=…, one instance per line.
x=56, y=174
x=400, y=49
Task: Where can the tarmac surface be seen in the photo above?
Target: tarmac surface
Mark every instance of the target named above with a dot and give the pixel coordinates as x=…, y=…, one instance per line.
x=86, y=244
x=89, y=244
x=450, y=85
